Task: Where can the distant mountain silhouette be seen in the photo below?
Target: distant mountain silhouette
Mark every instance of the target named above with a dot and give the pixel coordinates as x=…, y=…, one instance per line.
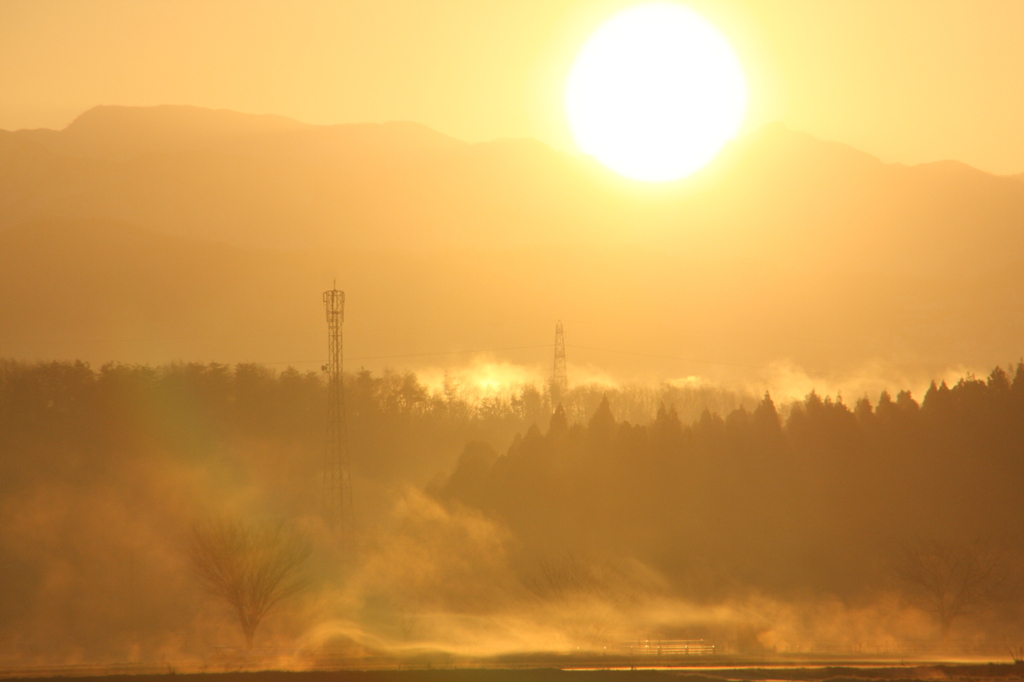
x=121, y=133
x=785, y=247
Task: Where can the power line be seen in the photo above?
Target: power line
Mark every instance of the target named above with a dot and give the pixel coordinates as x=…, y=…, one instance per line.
x=666, y=357
x=533, y=347
x=451, y=352
x=416, y=355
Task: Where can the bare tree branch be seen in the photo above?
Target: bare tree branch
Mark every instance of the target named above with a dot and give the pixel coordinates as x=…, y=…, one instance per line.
x=950, y=579
x=251, y=567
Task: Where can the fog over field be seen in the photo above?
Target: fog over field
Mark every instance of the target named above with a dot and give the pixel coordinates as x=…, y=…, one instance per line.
x=458, y=351
x=488, y=526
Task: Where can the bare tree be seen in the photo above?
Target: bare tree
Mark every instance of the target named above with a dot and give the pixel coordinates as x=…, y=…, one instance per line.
x=251, y=566
x=563, y=577
x=575, y=596
x=950, y=579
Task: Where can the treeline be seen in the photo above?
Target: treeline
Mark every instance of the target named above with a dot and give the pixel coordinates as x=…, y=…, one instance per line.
x=68, y=412
x=831, y=500
x=398, y=430
x=103, y=471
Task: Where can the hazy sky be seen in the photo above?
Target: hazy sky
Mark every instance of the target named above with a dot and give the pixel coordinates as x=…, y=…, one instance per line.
x=907, y=80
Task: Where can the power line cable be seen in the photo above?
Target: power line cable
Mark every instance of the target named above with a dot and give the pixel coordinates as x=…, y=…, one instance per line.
x=665, y=357
x=417, y=355
x=533, y=347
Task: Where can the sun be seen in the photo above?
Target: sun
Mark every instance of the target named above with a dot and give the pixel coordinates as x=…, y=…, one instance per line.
x=655, y=92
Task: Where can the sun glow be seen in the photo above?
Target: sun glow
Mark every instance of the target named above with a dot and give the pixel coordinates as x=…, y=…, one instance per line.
x=655, y=92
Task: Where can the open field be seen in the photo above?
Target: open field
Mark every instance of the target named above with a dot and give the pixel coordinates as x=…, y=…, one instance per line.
x=559, y=669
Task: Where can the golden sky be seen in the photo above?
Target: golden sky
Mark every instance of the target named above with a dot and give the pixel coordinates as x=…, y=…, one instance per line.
x=907, y=80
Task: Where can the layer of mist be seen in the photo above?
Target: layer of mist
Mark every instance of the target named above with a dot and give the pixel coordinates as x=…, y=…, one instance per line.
x=488, y=526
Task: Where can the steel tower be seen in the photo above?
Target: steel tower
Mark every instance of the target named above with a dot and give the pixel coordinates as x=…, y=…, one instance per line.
x=337, y=493
x=559, y=378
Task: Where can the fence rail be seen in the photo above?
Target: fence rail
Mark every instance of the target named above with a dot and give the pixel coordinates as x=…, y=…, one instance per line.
x=669, y=647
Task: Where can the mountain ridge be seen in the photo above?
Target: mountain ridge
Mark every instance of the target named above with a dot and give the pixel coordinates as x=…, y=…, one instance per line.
x=784, y=247
x=206, y=121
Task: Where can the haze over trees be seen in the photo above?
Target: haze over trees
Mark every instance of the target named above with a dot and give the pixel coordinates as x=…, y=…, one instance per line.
x=225, y=224
x=779, y=425
x=579, y=520
x=822, y=499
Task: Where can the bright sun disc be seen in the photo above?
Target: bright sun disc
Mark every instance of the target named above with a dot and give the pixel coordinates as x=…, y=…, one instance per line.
x=655, y=93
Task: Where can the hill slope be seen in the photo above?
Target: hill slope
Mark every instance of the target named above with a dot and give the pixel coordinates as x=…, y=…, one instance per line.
x=214, y=232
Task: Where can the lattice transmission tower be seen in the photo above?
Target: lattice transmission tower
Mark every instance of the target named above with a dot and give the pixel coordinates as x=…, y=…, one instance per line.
x=337, y=500
x=559, y=378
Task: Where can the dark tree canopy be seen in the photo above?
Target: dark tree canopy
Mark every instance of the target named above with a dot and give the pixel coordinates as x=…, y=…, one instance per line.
x=718, y=493
x=818, y=498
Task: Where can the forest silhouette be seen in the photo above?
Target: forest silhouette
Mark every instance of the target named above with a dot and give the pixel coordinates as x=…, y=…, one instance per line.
x=606, y=502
